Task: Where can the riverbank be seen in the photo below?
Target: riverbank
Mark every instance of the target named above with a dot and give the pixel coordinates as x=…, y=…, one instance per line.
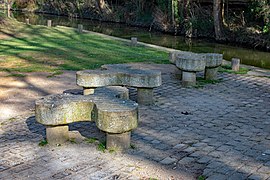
x=236, y=35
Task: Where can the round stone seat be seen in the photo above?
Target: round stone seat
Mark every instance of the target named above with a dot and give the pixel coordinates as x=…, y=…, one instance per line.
x=122, y=75
x=190, y=63
x=117, y=117
x=213, y=61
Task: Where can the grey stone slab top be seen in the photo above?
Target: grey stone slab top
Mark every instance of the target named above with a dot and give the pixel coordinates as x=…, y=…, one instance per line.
x=111, y=114
x=119, y=74
x=191, y=62
x=213, y=60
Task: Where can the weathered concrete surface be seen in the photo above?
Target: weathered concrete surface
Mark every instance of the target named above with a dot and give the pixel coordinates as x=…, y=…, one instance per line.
x=134, y=75
x=173, y=55
x=118, y=141
x=57, y=134
x=119, y=75
x=235, y=64
x=145, y=96
x=188, y=79
x=62, y=109
x=191, y=62
x=213, y=60
x=221, y=130
x=111, y=114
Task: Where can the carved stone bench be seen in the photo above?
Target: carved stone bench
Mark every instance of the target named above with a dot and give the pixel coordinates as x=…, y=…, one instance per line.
x=190, y=63
x=122, y=75
x=115, y=116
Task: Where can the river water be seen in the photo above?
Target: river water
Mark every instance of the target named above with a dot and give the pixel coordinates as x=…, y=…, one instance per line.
x=247, y=56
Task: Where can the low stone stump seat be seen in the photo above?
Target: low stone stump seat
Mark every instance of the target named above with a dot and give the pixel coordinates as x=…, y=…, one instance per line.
x=213, y=62
x=121, y=75
x=190, y=64
x=115, y=116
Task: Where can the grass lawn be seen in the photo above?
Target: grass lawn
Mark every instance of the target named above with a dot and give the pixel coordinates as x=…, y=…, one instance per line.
x=26, y=48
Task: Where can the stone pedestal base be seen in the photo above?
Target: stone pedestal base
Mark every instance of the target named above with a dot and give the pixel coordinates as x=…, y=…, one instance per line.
x=188, y=78
x=57, y=134
x=235, y=64
x=118, y=141
x=211, y=73
x=145, y=96
x=88, y=91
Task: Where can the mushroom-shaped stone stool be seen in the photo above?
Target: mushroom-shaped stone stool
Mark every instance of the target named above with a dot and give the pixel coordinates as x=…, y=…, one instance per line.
x=213, y=61
x=190, y=64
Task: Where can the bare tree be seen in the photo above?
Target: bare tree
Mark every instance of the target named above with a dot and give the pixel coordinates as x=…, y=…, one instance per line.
x=217, y=13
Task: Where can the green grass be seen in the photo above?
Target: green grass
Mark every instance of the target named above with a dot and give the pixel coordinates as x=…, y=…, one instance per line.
x=16, y=75
x=132, y=146
x=43, y=143
x=101, y=147
x=37, y=48
x=228, y=69
x=201, y=177
x=55, y=74
x=72, y=141
x=90, y=140
x=201, y=82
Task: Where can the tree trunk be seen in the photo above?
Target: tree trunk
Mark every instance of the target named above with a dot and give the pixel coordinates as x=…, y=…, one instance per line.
x=217, y=18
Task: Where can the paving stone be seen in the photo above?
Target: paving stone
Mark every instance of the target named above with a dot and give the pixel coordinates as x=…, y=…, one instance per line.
x=267, y=152
x=239, y=175
x=204, y=160
x=155, y=142
x=217, y=177
x=168, y=160
x=258, y=176
x=264, y=169
x=209, y=130
x=179, y=146
x=187, y=160
x=214, y=165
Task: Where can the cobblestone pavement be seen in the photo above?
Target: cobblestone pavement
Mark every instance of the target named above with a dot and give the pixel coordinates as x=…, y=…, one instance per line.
x=219, y=131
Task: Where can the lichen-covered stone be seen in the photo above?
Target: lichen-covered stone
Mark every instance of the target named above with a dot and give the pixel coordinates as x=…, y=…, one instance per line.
x=213, y=60
x=188, y=79
x=145, y=96
x=191, y=62
x=119, y=74
x=115, y=91
x=175, y=54
x=111, y=114
x=57, y=134
x=118, y=141
x=118, y=117
x=63, y=109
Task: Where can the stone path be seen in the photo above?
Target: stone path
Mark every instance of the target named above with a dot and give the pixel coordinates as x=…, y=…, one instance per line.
x=220, y=131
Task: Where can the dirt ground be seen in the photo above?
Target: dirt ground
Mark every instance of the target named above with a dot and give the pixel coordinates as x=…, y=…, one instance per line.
x=17, y=94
